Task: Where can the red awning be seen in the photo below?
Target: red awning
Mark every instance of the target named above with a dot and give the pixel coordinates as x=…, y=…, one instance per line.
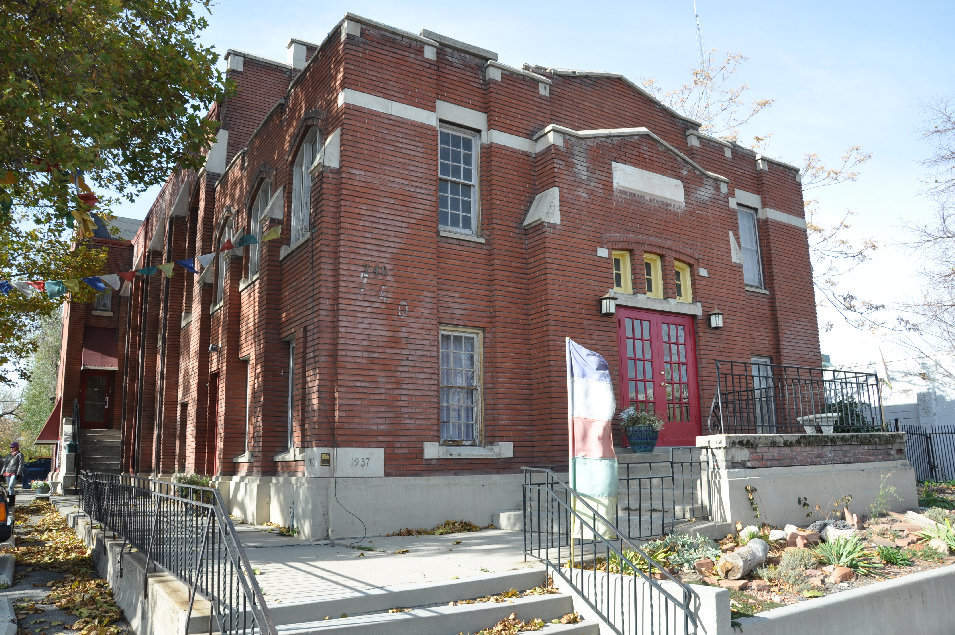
x=50, y=433
x=99, y=348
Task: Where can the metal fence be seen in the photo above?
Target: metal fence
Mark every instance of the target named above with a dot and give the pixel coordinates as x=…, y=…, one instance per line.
x=185, y=530
x=656, y=495
x=632, y=592
x=756, y=397
x=931, y=451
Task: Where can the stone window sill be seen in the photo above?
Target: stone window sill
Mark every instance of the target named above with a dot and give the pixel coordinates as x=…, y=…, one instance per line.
x=243, y=458
x=447, y=233
x=245, y=283
x=493, y=451
x=757, y=289
x=292, y=454
x=287, y=249
x=103, y=313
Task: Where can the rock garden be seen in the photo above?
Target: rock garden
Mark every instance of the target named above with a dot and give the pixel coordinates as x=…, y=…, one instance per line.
x=766, y=567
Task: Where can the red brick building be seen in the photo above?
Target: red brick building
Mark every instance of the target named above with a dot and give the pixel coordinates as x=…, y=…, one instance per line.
x=446, y=222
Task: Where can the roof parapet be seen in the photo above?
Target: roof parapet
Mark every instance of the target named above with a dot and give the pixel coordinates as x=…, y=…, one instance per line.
x=570, y=72
x=628, y=132
x=449, y=42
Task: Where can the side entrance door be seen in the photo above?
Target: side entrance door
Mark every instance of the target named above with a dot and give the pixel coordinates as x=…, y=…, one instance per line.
x=658, y=371
x=210, y=457
x=96, y=397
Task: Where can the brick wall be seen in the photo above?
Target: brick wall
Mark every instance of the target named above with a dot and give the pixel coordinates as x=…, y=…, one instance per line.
x=364, y=296
x=789, y=450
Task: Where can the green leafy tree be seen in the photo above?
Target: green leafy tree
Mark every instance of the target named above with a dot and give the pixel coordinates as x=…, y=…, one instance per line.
x=36, y=398
x=96, y=96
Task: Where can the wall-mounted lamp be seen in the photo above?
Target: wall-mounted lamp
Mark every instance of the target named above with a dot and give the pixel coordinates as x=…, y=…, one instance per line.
x=608, y=305
x=214, y=348
x=716, y=319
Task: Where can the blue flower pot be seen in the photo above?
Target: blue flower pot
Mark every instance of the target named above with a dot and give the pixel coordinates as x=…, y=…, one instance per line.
x=641, y=438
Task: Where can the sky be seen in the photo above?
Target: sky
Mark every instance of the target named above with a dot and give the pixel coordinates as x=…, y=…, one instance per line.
x=841, y=74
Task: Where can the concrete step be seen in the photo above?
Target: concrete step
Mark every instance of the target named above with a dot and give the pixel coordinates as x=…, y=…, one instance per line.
x=440, y=620
x=105, y=435
x=383, y=599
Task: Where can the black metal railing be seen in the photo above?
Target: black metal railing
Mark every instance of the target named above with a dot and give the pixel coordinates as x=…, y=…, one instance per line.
x=762, y=398
x=630, y=591
x=186, y=530
x=931, y=451
x=656, y=495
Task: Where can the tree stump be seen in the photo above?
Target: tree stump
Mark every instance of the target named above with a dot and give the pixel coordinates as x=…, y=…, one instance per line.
x=734, y=566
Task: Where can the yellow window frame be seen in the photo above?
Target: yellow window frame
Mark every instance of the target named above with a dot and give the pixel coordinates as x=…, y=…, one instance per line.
x=653, y=275
x=684, y=288
x=622, y=277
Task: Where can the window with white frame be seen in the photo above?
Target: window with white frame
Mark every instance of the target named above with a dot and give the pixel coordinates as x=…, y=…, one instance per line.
x=461, y=398
x=223, y=262
x=457, y=179
x=104, y=300
x=255, y=224
x=291, y=391
x=302, y=186
x=749, y=246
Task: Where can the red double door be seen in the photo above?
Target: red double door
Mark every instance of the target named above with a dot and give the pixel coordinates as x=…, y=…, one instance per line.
x=658, y=371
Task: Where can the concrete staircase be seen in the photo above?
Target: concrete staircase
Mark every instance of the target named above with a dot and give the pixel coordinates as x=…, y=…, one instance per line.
x=432, y=609
x=661, y=496
x=659, y=499
x=100, y=450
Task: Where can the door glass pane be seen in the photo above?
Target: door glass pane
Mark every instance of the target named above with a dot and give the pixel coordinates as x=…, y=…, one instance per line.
x=95, y=410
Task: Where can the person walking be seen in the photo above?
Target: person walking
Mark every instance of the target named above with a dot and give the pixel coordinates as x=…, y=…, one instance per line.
x=12, y=466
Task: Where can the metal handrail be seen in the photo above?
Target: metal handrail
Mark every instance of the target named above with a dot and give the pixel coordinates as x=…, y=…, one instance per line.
x=757, y=397
x=559, y=523
x=186, y=530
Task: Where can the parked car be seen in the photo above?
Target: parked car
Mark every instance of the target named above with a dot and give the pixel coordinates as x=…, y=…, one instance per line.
x=35, y=470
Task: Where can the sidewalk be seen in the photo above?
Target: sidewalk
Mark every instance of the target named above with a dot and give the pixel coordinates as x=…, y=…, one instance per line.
x=291, y=571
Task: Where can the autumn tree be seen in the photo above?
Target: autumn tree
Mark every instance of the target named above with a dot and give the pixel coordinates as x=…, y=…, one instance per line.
x=929, y=325
x=716, y=99
x=98, y=99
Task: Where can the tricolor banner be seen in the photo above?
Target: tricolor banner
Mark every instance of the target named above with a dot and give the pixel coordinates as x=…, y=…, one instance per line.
x=591, y=405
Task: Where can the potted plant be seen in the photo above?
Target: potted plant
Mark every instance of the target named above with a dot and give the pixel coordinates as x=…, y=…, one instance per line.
x=642, y=428
x=41, y=488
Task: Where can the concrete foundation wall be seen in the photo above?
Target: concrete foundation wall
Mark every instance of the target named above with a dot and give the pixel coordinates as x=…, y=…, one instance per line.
x=777, y=491
x=332, y=507
x=159, y=607
x=710, y=605
x=919, y=604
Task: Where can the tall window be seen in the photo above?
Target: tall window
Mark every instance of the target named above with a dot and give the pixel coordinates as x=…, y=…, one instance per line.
x=749, y=244
x=104, y=301
x=457, y=186
x=248, y=403
x=621, y=272
x=255, y=225
x=291, y=391
x=652, y=275
x=460, y=398
x=302, y=186
x=684, y=290
x=223, y=262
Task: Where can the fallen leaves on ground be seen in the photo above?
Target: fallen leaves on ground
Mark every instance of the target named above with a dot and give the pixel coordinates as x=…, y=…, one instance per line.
x=47, y=542
x=447, y=527
x=511, y=625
